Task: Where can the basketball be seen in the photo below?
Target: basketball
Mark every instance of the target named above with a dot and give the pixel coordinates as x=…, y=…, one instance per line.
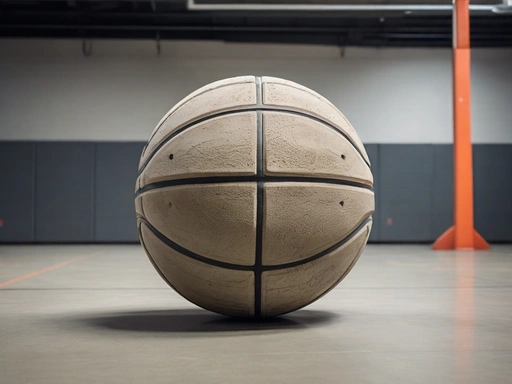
x=254, y=197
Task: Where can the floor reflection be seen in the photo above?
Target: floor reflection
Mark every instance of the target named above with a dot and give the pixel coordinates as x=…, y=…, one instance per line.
x=464, y=315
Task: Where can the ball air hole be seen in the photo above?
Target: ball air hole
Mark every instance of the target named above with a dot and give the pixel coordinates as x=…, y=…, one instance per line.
x=171, y=156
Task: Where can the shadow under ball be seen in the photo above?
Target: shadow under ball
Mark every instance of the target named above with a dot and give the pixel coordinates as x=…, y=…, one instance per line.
x=254, y=197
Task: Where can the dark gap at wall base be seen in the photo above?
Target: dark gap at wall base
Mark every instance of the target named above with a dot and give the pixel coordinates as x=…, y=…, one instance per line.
x=137, y=242
x=49, y=243
x=83, y=192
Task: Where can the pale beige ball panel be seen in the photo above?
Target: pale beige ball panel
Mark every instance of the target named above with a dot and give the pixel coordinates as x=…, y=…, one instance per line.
x=301, y=220
x=295, y=145
x=138, y=184
x=217, y=221
x=289, y=95
x=204, y=89
x=222, y=290
x=286, y=290
x=229, y=94
x=222, y=146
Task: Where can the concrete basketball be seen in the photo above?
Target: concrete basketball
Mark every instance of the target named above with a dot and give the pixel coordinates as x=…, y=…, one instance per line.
x=254, y=197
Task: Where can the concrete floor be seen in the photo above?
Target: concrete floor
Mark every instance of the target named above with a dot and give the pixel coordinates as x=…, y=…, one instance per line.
x=405, y=314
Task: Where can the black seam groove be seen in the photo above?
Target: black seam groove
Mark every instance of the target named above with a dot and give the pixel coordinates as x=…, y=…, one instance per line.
x=259, y=204
x=193, y=255
x=258, y=267
x=94, y=190
x=34, y=191
x=324, y=252
x=151, y=260
x=243, y=110
x=263, y=268
x=335, y=284
x=159, y=271
x=190, y=125
x=259, y=143
x=253, y=179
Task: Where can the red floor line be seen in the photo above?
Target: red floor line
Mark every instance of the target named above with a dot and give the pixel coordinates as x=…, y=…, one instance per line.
x=40, y=271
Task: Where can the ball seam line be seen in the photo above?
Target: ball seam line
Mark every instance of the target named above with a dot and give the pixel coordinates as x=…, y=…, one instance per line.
x=325, y=292
x=258, y=267
x=259, y=202
x=159, y=271
x=238, y=267
x=250, y=179
x=244, y=110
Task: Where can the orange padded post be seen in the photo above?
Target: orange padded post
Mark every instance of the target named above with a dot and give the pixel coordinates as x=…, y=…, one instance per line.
x=462, y=235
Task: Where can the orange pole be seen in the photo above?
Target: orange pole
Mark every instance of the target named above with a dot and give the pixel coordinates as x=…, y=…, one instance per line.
x=462, y=235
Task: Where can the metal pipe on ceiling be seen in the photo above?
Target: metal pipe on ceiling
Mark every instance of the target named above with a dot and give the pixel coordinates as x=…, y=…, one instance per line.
x=201, y=28
x=418, y=32
x=193, y=6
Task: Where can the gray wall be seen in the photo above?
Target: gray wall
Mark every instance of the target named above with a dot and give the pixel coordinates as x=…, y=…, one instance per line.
x=68, y=191
x=50, y=91
x=83, y=191
x=72, y=128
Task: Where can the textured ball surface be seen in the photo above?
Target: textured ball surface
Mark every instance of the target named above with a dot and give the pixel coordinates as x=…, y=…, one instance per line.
x=254, y=197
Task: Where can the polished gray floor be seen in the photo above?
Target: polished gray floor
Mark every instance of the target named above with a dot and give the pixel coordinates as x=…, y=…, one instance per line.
x=405, y=314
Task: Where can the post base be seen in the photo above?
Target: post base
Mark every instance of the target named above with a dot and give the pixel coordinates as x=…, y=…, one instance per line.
x=446, y=242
